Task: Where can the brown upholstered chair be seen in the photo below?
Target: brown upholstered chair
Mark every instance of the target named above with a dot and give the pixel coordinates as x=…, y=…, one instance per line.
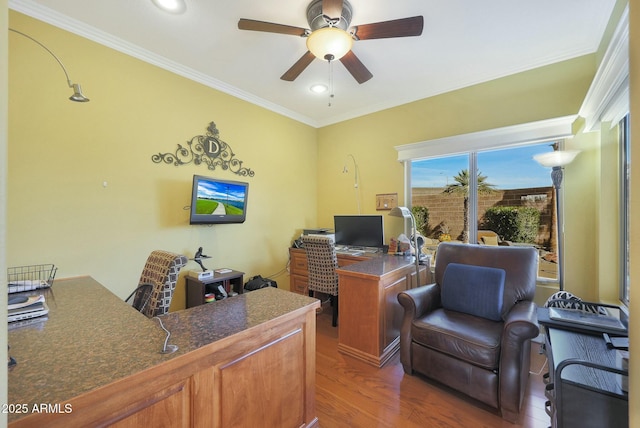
x=471, y=330
x=322, y=263
x=157, y=282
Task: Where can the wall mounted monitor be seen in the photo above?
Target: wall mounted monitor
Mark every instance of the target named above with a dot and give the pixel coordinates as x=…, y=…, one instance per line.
x=215, y=201
x=359, y=230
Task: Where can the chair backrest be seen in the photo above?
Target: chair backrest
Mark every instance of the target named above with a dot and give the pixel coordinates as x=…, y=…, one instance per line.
x=161, y=272
x=519, y=263
x=322, y=263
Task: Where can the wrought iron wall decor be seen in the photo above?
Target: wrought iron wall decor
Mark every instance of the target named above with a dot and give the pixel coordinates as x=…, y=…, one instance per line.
x=208, y=149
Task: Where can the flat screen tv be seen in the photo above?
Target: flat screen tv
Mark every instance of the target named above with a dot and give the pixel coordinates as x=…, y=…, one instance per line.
x=359, y=230
x=215, y=201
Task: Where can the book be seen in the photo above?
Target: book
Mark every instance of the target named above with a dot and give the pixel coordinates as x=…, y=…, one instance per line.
x=24, y=308
x=19, y=302
x=224, y=270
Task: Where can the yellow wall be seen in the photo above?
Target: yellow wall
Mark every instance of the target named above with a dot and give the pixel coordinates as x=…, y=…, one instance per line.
x=62, y=152
x=548, y=92
x=608, y=218
x=580, y=190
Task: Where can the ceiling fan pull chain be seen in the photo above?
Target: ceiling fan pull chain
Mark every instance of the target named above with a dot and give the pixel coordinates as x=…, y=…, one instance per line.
x=330, y=81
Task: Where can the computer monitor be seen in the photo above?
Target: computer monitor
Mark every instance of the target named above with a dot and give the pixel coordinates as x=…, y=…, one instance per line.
x=359, y=230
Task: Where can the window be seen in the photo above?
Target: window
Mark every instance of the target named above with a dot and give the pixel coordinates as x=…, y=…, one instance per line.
x=511, y=202
x=625, y=171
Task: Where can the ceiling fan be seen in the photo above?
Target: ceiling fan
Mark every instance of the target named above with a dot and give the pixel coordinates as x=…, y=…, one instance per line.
x=330, y=37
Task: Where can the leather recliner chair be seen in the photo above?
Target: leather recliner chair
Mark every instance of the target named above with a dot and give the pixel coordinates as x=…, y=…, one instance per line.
x=445, y=338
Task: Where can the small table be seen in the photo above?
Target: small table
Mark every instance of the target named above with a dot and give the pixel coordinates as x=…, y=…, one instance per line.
x=196, y=289
x=584, y=387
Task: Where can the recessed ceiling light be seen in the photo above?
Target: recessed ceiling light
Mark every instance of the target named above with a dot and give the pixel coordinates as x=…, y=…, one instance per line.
x=172, y=6
x=318, y=88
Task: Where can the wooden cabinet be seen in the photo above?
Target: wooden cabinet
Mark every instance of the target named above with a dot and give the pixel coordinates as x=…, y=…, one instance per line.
x=299, y=274
x=369, y=313
x=247, y=361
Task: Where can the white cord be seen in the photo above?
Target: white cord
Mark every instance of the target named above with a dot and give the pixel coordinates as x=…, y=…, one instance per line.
x=166, y=349
x=541, y=368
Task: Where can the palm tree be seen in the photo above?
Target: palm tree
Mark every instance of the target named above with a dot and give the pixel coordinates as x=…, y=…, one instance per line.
x=461, y=187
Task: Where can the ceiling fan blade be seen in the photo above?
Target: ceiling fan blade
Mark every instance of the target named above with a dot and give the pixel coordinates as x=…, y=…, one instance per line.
x=291, y=74
x=396, y=28
x=332, y=8
x=269, y=27
x=356, y=67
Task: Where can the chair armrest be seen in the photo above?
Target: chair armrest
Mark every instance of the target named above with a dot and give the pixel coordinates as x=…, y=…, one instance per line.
x=520, y=325
x=416, y=302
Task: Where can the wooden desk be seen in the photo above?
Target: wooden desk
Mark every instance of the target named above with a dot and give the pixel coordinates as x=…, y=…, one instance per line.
x=95, y=361
x=370, y=316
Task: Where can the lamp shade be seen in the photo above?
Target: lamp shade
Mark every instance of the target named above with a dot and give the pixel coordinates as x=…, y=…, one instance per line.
x=400, y=212
x=329, y=43
x=78, y=96
x=556, y=158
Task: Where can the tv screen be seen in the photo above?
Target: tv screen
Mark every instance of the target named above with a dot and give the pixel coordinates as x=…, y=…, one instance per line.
x=359, y=230
x=216, y=201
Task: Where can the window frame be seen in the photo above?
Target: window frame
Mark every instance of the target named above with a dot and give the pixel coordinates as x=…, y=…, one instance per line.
x=625, y=239
x=473, y=190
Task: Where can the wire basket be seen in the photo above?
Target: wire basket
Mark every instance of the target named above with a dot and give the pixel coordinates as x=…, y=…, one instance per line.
x=32, y=277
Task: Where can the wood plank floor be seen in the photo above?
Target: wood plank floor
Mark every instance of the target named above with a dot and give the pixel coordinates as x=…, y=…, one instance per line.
x=350, y=393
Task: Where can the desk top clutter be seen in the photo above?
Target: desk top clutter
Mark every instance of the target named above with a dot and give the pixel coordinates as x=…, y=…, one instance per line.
x=31, y=277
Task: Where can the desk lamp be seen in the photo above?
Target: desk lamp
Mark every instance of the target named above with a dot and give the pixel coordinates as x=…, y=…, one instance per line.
x=406, y=213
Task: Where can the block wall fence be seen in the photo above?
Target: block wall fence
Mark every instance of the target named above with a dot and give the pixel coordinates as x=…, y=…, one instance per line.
x=449, y=208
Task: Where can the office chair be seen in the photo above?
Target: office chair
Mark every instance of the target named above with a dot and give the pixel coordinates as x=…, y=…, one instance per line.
x=322, y=264
x=155, y=288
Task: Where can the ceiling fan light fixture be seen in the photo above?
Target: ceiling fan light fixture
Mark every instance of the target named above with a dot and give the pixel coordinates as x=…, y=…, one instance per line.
x=319, y=88
x=329, y=43
x=171, y=6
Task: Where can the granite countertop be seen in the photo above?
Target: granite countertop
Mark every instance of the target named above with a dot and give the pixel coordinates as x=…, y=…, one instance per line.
x=91, y=338
x=376, y=267
x=198, y=326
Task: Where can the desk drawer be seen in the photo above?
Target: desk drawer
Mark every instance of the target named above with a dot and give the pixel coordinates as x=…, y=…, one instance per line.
x=299, y=284
x=299, y=265
x=298, y=262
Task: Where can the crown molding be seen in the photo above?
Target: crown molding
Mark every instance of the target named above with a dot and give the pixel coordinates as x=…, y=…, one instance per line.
x=608, y=97
x=50, y=16
x=508, y=136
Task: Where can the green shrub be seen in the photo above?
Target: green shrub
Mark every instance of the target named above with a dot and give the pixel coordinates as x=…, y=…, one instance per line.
x=421, y=214
x=517, y=224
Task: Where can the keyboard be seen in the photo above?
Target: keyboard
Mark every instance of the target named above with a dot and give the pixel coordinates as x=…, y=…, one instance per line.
x=350, y=252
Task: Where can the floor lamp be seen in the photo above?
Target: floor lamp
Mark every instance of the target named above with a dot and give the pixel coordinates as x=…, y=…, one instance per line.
x=405, y=213
x=556, y=160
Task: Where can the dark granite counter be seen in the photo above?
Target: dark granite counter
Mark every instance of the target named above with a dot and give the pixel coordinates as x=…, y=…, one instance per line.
x=376, y=267
x=91, y=338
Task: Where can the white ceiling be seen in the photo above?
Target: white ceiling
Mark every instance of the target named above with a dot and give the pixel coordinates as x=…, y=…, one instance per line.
x=464, y=42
